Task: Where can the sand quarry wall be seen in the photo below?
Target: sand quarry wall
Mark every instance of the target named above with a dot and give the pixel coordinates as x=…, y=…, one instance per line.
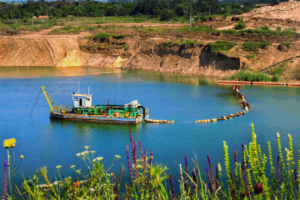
x=64, y=51
x=61, y=51
x=148, y=54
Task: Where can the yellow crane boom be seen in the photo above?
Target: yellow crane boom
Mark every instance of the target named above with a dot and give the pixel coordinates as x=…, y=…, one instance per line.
x=49, y=100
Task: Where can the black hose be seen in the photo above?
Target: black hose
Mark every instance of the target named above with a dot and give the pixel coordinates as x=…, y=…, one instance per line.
x=144, y=111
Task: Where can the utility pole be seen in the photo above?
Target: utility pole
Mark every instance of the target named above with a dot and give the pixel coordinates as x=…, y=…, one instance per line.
x=190, y=19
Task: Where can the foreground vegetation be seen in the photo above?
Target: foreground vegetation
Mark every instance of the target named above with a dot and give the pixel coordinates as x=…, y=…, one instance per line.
x=254, y=176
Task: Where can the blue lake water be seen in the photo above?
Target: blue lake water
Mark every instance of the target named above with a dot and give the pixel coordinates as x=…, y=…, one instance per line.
x=46, y=142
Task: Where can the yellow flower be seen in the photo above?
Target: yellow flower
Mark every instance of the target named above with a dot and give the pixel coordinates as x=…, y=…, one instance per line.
x=92, y=152
x=87, y=147
x=78, y=154
x=73, y=166
x=78, y=171
x=117, y=156
x=94, y=160
x=9, y=143
x=21, y=156
x=58, y=167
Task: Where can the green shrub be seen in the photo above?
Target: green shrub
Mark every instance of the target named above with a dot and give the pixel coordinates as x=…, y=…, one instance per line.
x=275, y=78
x=240, y=25
x=249, y=56
x=254, y=46
x=248, y=76
x=221, y=46
x=265, y=28
x=292, y=29
x=105, y=36
x=278, y=28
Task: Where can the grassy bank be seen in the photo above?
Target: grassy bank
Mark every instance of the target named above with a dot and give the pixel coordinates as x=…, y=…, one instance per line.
x=249, y=174
x=249, y=76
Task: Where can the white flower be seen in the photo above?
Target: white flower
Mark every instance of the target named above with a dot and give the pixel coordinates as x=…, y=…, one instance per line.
x=94, y=160
x=278, y=135
x=87, y=147
x=92, y=190
x=99, y=158
x=117, y=156
x=78, y=154
x=93, y=152
x=58, y=167
x=56, y=182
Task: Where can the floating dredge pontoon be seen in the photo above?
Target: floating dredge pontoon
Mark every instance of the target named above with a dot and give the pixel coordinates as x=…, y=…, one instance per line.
x=83, y=110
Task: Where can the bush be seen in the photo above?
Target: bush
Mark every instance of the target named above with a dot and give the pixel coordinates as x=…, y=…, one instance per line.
x=275, y=78
x=105, y=36
x=254, y=46
x=249, y=56
x=278, y=28
x=265, y=28
x=248, y=76
x=278, y=70
x=221, y=46
x=240, y=25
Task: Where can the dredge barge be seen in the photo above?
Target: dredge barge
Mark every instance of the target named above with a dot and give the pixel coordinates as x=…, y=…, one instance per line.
x=82, y=110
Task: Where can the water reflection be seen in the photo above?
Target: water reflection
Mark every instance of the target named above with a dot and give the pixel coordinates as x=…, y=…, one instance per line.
x=84, y=127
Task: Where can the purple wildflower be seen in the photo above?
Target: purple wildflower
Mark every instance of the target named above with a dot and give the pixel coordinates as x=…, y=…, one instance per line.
x=129, y=165
x=186, y=167
x=131, y=140
x=150, y=160
x=135, y=160
x=172, y=187
x=207, y=173
x=141, y=153
x=217, y=174
x=295, y=175
x=196, y=170
x=195, y=180
x=243, y=147
x=233, y=194
x=211, y=169
x=5, y=180
x=235, y=156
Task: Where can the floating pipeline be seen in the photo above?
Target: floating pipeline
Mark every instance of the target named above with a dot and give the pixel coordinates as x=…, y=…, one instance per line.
x=159, y=121
x=221, y=82
x=244, y=105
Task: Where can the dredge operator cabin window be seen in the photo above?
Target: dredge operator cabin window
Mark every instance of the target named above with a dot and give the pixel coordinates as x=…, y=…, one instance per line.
x=80, y=102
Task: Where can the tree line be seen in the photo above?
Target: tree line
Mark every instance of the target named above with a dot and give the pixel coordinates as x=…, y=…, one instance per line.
x=165, y=9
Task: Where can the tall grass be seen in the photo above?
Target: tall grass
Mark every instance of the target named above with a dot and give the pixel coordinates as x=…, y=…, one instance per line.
x=248, y=174
x=249, y=76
